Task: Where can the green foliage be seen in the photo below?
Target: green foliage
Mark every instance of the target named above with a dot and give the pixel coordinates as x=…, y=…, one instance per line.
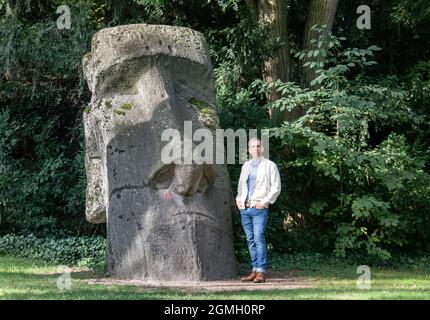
x=410, y=14
x=418, y=78
x=373, y=189
x=72, y=251
x=196, y=14
x=42, y=173
x=333, y=63
x=237, y=63
x=322, y=262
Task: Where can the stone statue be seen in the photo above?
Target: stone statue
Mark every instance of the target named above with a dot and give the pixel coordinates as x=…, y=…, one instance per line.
x=164, y=221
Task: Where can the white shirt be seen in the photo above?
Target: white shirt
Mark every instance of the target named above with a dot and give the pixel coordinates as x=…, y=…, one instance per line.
x=267, y=186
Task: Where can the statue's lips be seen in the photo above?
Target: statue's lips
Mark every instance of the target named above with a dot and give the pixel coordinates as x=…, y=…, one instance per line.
x=206, y=216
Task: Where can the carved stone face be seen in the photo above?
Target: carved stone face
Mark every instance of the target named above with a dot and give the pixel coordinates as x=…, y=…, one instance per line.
x=164, y=221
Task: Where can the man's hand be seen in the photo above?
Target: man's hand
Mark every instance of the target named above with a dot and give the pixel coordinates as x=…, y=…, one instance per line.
x=258, y=205
x=239, y=204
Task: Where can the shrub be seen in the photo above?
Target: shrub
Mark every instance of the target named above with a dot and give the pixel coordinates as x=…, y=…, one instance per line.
x=318, y=261
x=73, y=251
x=349, y=169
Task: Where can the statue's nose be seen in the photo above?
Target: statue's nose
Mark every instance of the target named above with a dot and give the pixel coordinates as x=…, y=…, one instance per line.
x=156, y=82
x=156, y=88
x=189, y=179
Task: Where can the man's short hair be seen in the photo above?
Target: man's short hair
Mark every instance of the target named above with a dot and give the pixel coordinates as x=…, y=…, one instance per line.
x=253, y=139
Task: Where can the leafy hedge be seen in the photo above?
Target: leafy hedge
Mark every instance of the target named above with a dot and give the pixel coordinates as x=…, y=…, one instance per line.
x=314, y=261
x=355, y=166
x=73, y=251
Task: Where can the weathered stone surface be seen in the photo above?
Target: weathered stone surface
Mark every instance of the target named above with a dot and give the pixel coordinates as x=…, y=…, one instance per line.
x=164, y=221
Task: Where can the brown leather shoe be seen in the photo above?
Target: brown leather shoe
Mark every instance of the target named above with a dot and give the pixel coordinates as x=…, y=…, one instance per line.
x=249, y=277
x=260, y=278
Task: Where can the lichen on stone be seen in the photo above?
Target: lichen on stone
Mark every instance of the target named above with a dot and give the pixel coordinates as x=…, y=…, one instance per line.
x=205, y=112
x=127, y=106
x=122, y=110
x=200, y=104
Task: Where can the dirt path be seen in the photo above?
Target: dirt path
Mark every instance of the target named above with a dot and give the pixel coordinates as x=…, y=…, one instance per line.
x=275, y=280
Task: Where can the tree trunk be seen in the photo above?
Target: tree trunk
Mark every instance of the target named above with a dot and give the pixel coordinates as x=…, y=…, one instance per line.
x=321, y=12
x=274, y=13
x=253, y=9
x=11, y=8
x=11, y=12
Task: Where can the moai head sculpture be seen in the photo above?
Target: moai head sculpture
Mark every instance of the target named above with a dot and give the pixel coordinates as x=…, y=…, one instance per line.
x=164, y=221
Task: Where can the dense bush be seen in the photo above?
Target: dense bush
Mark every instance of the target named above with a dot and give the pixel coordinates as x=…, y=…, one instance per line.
x=319, y=261
x=41, y=152
x=72, y=251
x=348, y=167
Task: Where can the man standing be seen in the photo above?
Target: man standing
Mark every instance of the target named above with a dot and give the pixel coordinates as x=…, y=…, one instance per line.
x=259, y=185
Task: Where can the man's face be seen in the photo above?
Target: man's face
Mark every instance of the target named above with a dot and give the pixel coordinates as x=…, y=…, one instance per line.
x=255, y=148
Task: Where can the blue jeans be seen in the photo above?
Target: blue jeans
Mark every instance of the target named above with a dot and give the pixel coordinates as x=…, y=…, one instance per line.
x=254, y=224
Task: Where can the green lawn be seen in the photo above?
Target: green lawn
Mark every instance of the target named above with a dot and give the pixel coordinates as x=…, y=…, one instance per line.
x=25, y=279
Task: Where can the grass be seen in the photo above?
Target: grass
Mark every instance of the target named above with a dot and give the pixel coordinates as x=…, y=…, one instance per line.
x=25, y=279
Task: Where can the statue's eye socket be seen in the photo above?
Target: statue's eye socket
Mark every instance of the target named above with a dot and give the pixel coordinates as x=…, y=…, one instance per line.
x=162, y=178
x=116, y=87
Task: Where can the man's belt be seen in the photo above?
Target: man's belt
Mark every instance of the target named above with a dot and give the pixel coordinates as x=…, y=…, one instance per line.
x=248, y=204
